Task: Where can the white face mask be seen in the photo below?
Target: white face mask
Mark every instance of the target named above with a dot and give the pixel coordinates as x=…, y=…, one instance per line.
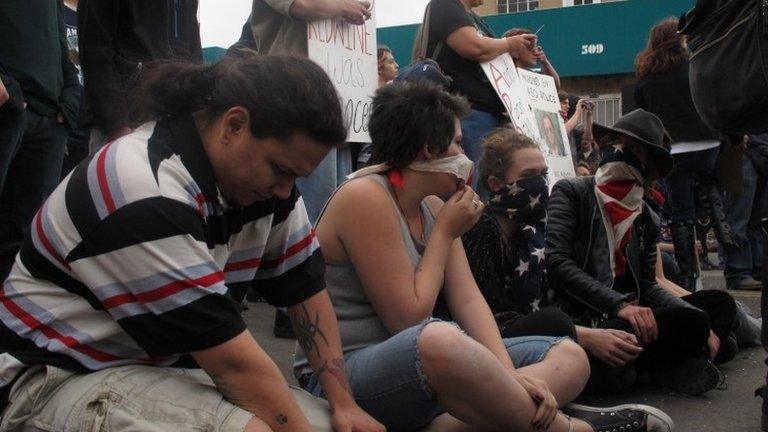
x=459, y=165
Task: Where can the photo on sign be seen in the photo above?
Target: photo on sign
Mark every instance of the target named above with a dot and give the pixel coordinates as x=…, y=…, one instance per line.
x=550, y=132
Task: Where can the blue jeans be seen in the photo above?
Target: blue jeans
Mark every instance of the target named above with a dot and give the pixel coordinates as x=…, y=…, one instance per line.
x=33, y=153
x=389, y=384
x=744, y=212
x=473, y=129
x=689, y=169
x=318, y=187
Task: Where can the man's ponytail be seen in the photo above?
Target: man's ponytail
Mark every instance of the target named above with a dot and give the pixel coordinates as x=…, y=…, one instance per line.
x=168, y=88
x=284, y=95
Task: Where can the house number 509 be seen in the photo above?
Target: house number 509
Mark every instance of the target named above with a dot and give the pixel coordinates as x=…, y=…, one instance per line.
x=592, y=49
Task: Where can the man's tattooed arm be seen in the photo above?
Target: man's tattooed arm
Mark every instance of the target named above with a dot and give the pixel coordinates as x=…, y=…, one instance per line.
x=308, y=332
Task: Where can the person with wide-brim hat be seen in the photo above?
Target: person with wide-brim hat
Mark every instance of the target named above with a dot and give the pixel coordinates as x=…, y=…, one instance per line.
x=601, y=248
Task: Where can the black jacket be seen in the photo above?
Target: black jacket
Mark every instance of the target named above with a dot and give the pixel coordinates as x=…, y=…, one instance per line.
x=117, y=37
x=668, y=95
x=578, y=261
x=34, y=60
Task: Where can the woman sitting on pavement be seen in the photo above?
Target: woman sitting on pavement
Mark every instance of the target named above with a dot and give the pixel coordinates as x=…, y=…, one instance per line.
x=392, y=250
x=506, y=253
x=601, y=256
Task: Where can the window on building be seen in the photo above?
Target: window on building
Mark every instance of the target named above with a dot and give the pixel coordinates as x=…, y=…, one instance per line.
x=512, y=6
x=607, y=108
x=579, y=2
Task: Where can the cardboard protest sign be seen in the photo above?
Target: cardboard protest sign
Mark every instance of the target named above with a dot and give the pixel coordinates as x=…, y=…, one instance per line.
x=502, y=74
x=543, y=100
x=532, y=104
x=347, y=53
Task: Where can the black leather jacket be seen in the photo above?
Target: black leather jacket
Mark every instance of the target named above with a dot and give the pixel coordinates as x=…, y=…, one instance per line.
x=578, y=262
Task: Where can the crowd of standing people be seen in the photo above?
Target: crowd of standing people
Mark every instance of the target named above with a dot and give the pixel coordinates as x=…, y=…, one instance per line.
x=433, y=278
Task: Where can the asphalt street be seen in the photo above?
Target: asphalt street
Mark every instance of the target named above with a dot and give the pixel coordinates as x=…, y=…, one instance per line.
x=732, y=409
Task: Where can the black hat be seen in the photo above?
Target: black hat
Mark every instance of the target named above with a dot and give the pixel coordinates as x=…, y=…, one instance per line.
x=647, y=129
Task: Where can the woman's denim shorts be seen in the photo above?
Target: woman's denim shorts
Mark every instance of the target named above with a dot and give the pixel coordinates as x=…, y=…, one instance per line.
x=388, y=382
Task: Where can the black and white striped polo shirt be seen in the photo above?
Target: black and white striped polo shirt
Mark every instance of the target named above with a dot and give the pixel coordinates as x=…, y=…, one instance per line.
x=133, y=259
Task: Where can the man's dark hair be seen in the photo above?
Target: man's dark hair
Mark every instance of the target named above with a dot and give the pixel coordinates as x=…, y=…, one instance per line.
x=381, y=50
x=283, y=95
x=406, y=116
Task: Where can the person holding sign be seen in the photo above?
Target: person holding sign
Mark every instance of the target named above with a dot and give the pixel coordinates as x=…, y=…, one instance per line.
x=280, y=27
x=459, y=41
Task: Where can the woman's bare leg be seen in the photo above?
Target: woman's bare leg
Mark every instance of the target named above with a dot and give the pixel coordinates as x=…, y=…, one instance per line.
x=565, y=369
x=474, y=387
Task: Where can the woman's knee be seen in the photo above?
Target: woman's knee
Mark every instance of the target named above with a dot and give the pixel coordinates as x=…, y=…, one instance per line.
x=569, y=355
x=444, y=349
x=439, y=341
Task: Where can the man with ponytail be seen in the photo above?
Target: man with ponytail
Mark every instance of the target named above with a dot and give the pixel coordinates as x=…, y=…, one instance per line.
x=138, y=261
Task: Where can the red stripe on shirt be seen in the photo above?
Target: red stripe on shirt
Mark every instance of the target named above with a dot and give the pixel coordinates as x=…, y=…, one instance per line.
x=70, y=342
x=242, y=265
x=291, y=251
x=44, y=240
x=101, y=176
x=163, y=291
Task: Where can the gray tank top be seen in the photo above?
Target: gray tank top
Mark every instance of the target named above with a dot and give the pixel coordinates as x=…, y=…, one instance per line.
x=359, y=325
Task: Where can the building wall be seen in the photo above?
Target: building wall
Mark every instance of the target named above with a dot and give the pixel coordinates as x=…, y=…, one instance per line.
x=549, y=4
x=596, y=85
x=489, y=7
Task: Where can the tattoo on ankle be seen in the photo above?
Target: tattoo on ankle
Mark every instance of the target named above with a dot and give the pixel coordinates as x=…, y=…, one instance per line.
x=336, y=368
x=306, y=330
x=281, y=418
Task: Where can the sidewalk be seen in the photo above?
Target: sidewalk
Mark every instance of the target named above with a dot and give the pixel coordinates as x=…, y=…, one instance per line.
x=734, y=409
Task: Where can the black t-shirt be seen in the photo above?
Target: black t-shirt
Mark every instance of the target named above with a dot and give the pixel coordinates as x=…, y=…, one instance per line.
x=447, y=16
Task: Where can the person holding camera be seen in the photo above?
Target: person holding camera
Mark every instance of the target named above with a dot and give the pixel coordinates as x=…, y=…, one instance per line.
x=529, y=58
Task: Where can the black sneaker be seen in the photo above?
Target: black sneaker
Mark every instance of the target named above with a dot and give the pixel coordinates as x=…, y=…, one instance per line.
x=693, y=376
x=622, y=418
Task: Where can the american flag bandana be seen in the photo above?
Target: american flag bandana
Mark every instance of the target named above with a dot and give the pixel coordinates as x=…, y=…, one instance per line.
x=619, y=194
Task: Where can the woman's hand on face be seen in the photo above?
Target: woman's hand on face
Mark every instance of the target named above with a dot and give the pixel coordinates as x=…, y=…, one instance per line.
x=460, y=213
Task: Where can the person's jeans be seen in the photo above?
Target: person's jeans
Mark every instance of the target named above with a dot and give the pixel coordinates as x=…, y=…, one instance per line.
x=33, y=173
x=689, y=169
x=473, y=129
x=388, y=381
x=318, y=187
x=744, y=212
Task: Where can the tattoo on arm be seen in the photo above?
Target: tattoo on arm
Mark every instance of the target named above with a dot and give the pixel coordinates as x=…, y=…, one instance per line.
x=307, y=330
x=336, y=368
x=281, y=418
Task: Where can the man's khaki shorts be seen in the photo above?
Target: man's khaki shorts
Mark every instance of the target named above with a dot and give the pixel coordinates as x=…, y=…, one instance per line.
x=131, y=398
